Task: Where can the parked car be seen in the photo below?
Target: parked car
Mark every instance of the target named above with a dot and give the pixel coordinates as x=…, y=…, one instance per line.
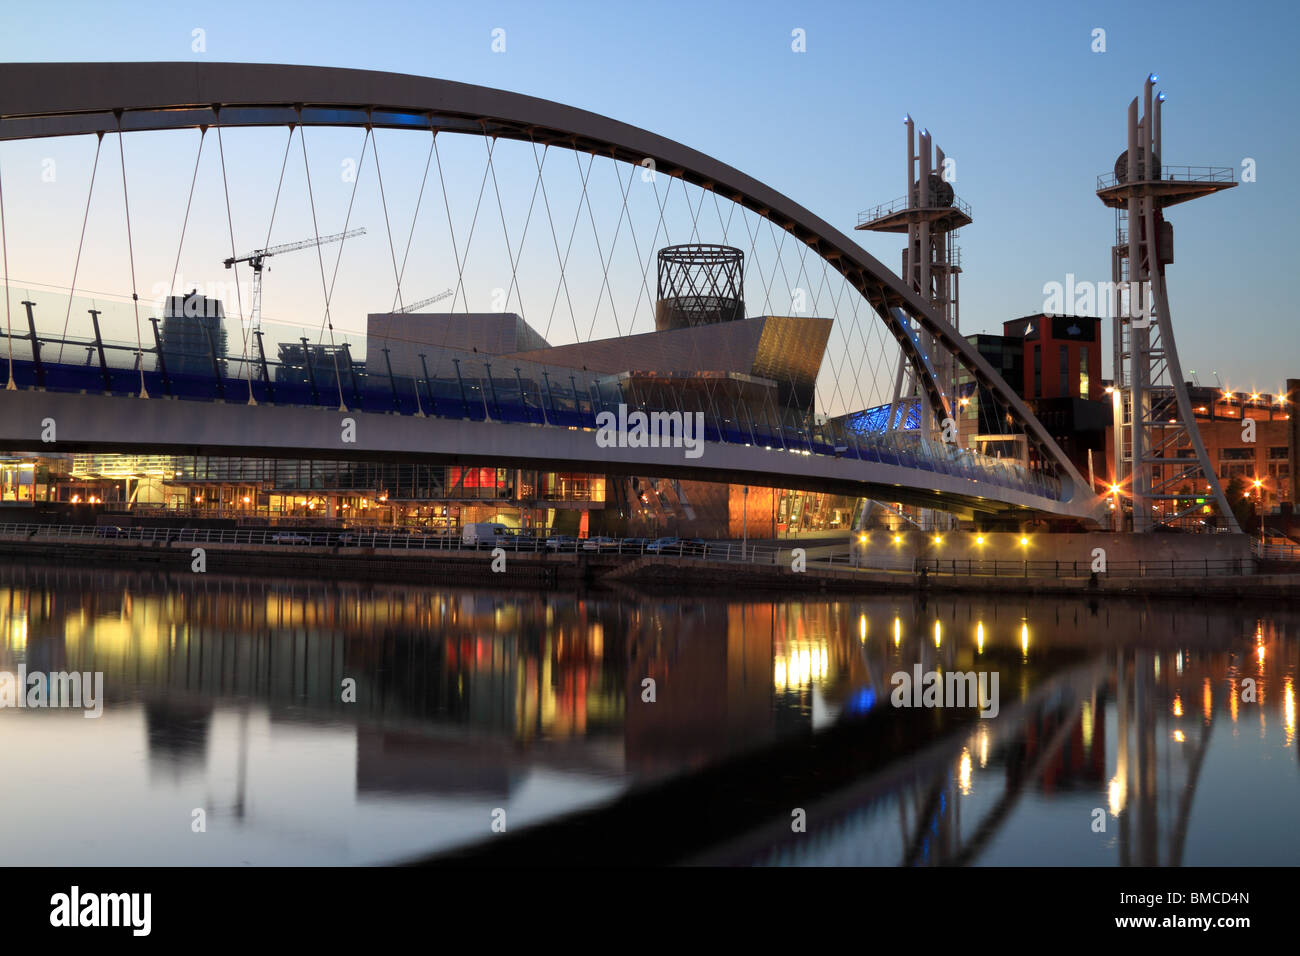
x=110, y=531
x=290, y=537
x=696, y=546
x=599, y=543
x=663, y=546
x=346, y=538
x=561, y=542
x=634, y=545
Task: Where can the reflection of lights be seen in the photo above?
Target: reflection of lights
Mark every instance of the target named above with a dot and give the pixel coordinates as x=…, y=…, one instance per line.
x=1288, y=710
x=964, y=772
x=979, y=638
x=1085, y=723
x=1207, y=698
x=1232, y=701
x=1178, y=706
x=938, y=634
x=862, y=628
x=898, y=631
x=16, y=639
x=1179, y=736
x=1024, y=638
x=803, y=663
x=1259, y=652
x=984, y=747
x=1115, y=794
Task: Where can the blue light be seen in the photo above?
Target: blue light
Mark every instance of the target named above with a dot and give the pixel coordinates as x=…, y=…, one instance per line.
x=862, y=701
x=1153, y=78
x=1161, y=97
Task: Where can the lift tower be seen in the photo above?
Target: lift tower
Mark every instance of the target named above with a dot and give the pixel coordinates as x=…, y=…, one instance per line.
x=930, y=214
x=1160, y=460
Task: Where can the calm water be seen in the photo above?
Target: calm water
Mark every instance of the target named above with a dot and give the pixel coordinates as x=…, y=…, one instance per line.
x=224, y=694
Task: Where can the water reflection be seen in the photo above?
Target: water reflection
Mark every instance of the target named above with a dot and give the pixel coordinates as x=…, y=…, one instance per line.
x=227, y=695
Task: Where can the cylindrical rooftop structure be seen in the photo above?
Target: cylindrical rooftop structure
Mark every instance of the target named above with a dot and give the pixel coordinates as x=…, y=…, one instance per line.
x=699, y=284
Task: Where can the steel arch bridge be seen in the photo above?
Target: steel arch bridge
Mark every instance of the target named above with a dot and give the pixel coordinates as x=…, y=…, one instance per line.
x=110, y=99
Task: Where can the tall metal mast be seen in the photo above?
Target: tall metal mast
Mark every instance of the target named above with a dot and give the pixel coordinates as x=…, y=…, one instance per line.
x=930, y=214
x=1160, y=459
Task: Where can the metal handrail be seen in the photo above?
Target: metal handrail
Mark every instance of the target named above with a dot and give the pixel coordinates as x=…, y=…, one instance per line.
x=572, y=406
x=725, y=551
x=901, y=203
x=1180, y=174
x=1186, y=567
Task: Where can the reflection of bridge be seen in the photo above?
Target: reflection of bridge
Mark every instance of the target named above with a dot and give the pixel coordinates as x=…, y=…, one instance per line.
x=541, y=417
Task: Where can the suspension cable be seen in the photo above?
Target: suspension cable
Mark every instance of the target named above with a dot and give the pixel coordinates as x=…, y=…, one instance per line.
x=392, y=252
x=418, y=199
x=230, y=224
x=347, y=220
x=276, y=204
x=135, y=297
x=203, y=132
x=320, y=257
x=9, y=325
x=76, y=266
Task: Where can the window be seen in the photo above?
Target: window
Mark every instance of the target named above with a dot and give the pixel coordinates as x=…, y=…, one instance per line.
x=1278, y=453
x=1063, y=380
x=1236, y=454
x=1280, y=473
x=1083, y=371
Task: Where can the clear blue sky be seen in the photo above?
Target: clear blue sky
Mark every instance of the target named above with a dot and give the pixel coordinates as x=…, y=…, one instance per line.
x=1011, y=90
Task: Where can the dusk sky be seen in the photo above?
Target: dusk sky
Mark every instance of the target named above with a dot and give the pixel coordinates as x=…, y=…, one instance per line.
x=1012, y=91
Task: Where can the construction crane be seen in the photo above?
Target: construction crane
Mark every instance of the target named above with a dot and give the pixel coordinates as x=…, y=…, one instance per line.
x=258, y=256
x=429, y=301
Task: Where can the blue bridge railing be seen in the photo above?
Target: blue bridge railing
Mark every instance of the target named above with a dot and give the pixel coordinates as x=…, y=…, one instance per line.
x=473, y=388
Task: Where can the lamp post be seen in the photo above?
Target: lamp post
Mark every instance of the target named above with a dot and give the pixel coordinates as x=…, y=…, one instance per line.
x=1259, y=498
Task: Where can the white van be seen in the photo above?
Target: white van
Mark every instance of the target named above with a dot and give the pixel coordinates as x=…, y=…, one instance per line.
x=480, y=533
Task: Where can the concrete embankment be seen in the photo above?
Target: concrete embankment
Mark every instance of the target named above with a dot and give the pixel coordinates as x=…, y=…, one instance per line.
x=662, y=573
x=587, y=569
x=472, y=568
